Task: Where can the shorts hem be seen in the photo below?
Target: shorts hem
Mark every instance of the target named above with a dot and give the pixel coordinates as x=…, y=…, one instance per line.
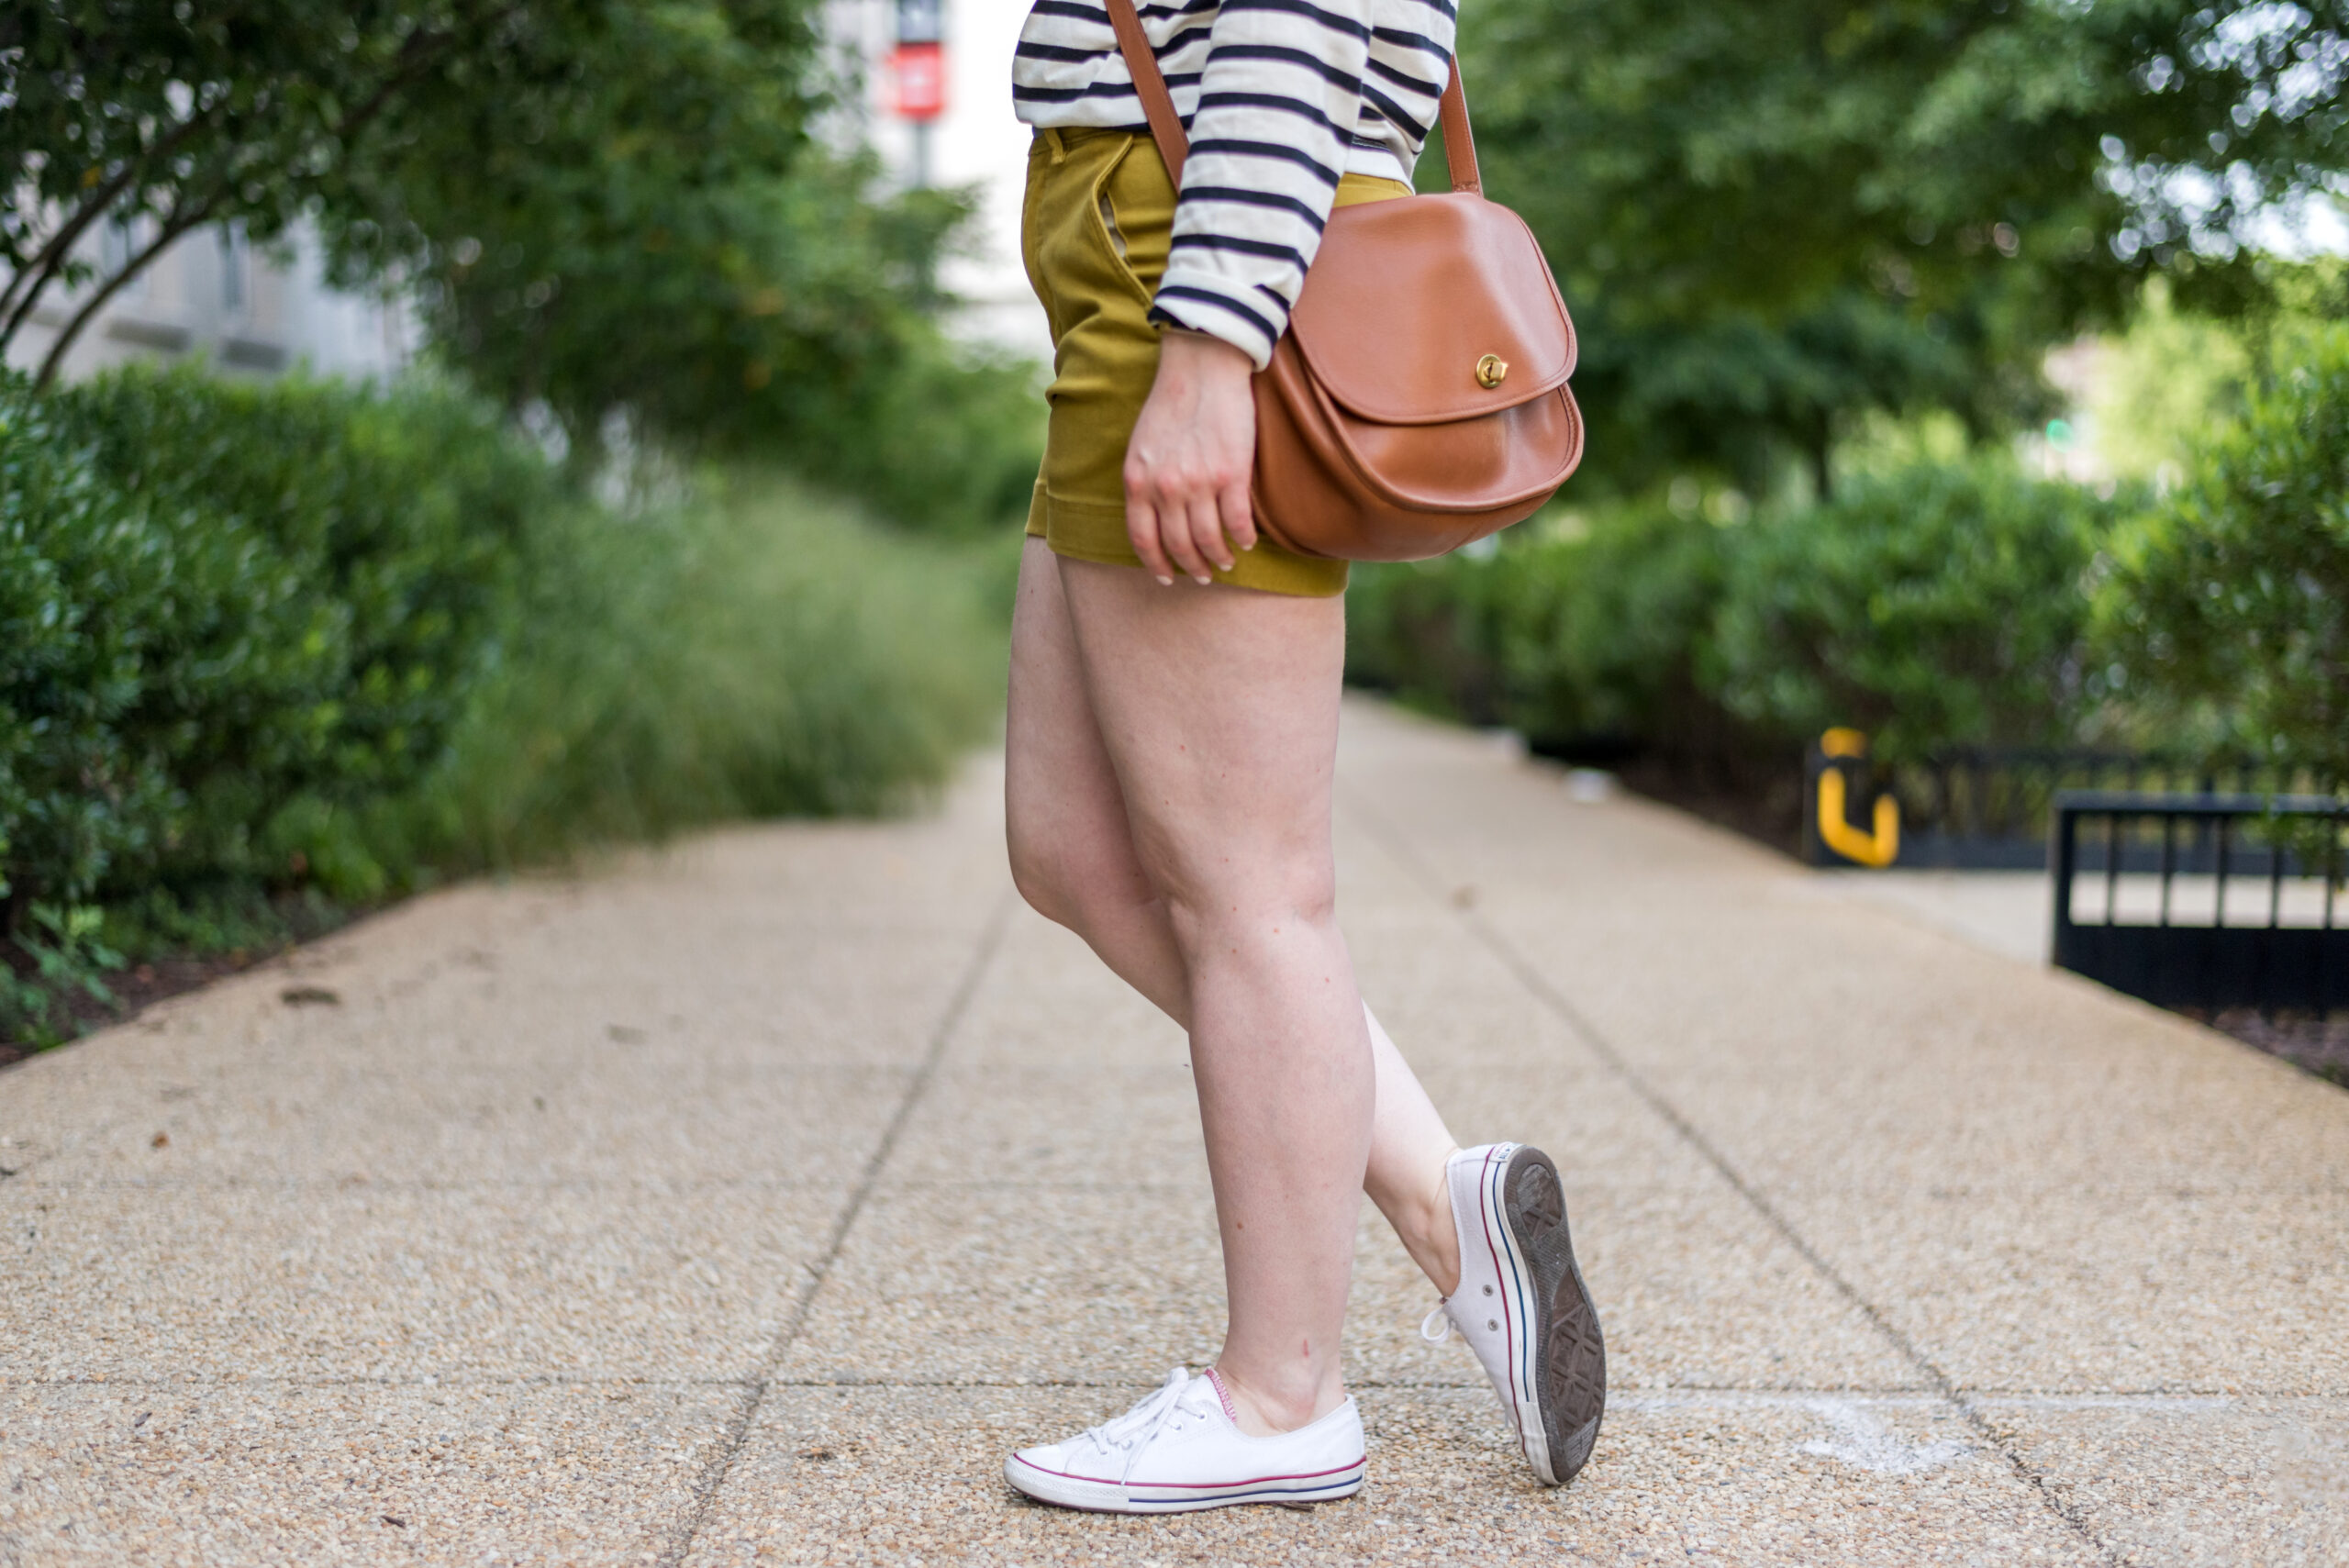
x=1090, y=530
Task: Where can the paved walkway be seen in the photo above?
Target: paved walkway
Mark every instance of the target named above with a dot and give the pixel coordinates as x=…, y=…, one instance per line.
x=744, y=1204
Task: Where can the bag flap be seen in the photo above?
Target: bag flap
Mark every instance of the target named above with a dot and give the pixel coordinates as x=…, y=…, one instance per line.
x=1407, y=298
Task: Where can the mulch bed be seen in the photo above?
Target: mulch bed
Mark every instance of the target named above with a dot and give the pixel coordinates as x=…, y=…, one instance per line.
x=2316, y=1043
x=141, y=985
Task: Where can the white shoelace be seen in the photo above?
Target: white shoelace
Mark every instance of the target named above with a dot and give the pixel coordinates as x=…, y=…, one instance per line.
x=1133, y=1432
x=1436, y=1326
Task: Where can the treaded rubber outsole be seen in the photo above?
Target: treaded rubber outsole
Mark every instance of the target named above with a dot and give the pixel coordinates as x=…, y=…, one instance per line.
x=1570, y=1357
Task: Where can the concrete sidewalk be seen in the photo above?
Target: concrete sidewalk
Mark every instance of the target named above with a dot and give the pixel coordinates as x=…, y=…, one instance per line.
x=744, y=1204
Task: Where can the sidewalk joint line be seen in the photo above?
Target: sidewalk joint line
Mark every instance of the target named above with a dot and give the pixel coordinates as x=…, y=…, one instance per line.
x=1539, y=985
x=1688, y=1396
x=714, y=1482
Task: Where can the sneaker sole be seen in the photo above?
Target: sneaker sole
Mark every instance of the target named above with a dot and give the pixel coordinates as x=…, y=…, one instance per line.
x=1560, y=1373
x=1115, y=1497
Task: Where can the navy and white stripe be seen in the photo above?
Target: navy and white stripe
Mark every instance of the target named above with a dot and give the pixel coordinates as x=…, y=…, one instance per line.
x=1280, y=97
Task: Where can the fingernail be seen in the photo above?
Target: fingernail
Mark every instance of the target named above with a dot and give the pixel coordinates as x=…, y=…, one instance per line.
x=1167, y=581
x=1250, y=545
x=1203, y=579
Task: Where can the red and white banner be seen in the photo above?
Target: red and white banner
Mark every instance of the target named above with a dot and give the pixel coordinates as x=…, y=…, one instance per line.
x=917, y=72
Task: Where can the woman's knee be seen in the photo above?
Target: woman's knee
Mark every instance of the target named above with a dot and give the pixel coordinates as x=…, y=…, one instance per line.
x=1236, y=896
x=1073, y=882
x=1040, y=870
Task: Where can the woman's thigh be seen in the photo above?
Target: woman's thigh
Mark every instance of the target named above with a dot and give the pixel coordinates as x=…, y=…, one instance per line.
x=1065, y=812
x=1217, y=708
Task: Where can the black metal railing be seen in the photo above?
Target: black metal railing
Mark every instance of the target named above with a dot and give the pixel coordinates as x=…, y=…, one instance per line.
x=2204, y=900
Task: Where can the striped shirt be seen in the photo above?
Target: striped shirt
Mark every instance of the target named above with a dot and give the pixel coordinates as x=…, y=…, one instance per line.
x=1280, y=97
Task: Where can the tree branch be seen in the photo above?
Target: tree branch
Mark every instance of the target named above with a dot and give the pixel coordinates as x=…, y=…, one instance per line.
x=172, y=228
x=418, y=54
x=43, y=268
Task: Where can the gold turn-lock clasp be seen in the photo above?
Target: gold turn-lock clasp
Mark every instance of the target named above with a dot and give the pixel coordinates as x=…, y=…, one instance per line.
x=1490, y=370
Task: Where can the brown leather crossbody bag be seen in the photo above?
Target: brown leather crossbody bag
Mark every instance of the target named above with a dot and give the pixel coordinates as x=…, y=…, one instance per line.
x=1419, y=399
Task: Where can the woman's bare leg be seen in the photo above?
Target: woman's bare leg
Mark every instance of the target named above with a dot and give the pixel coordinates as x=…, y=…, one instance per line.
x=1219, y=709
x=1073, y=856
x=1064, y=814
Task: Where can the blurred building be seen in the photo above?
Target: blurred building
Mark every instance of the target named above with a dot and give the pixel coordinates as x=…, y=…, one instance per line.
x=238, y=307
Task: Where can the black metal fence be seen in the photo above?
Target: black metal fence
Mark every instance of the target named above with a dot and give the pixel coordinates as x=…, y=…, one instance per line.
x=2204, y=900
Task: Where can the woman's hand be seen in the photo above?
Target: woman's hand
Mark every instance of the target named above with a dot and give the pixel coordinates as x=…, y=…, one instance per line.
x=1189, y=463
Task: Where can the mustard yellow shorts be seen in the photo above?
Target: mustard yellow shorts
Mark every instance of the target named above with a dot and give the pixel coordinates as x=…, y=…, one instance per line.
x=1094, y=233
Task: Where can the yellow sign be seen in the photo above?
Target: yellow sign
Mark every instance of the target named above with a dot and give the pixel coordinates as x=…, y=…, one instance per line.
x=1878, y=848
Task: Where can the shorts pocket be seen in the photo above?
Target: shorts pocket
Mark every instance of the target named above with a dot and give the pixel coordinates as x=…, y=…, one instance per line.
x=1071, y=260
x=1133, y=215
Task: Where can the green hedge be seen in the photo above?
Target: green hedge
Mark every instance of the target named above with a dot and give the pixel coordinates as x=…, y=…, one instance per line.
x=752, y=652
x=2227, y=611
x=1929, y=603
x=946, y=443
x=231, y=608
x=304, y=638
x=1935, y=605
x=1585, y=637
x=1932, y=604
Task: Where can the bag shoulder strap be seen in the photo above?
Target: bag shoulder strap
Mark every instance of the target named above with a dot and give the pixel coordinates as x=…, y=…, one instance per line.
x=1166, y=126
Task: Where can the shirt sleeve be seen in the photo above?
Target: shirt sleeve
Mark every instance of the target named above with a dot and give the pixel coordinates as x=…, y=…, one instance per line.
x=1279, y=99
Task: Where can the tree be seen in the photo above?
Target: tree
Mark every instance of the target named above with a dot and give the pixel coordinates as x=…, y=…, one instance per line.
x=634, y=227
x=2232, y=595
x=605, y=209
x=634, y=220
x=163, y=119
x=1772, y=217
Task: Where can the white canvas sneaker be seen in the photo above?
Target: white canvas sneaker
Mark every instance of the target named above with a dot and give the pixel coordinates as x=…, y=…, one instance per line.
x=1182, y=1449
x=1522, y=1305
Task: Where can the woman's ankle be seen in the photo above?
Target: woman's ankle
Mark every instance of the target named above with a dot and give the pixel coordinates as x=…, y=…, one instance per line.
x=1262, y=1412
x=1442, y=1262
x=1424, y=1223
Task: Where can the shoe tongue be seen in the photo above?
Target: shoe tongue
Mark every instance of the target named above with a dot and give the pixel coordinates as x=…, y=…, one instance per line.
x=1171, y=1390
